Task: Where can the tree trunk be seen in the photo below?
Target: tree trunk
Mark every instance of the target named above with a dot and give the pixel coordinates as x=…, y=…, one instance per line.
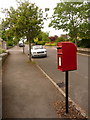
x=23, y=46
x=76, y=42
x=30, y=50
x=29, y=39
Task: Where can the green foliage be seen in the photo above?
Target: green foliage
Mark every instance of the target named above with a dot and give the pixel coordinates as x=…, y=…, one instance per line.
x=54, y=44
x=2, y=51
x=27, y=42
x=15, y=40
x=84, y=43
x=43, y=36
x=26, y=20
x=36, y=40
x=10, y=43
x=41, y=42
x=51, y=43
x=60, y=39
x=72, y=17
x=3, y=35
x=84, y=33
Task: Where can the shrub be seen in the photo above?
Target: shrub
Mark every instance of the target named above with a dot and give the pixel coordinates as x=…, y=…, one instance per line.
x=9, y=43
x=51, y=44
x=85, y=43
x=2, y=51
x=27, y=42
x=41, y=42
x=60, y=39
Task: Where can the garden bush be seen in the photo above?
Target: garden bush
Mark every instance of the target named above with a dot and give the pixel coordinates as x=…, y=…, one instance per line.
x=10, y=43
x=51, y=43
x=84, y=43
x=41, y=42
x=2, y=50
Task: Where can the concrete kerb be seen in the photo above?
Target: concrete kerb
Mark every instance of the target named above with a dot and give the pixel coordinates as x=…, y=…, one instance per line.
x=63, y=93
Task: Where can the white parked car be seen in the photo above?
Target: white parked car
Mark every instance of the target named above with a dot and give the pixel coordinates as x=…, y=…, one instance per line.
x=38, y=51
x=21, y=44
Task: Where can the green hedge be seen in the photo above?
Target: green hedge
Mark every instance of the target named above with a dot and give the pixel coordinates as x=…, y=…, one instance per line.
x=10, y=43
x=2, y=51
x=51, y=43
x=41, y=42
x=85, y=43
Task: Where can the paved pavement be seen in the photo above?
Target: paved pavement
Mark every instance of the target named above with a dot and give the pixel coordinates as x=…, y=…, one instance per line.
x=26, y=91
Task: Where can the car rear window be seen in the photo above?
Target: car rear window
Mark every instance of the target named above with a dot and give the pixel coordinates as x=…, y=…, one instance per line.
x=37, y=47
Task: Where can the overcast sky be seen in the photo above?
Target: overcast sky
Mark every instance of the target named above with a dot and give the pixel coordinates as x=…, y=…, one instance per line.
x=41, y=4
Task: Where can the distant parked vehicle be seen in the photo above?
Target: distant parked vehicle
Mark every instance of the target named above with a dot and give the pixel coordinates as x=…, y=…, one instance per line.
x=21, y=45
x=38, y=51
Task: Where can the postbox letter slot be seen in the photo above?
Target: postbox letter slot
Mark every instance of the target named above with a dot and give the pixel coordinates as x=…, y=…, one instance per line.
x=59, y=53
x=59, y=48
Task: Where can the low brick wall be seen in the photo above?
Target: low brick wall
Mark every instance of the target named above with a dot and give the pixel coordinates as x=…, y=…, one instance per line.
x=84, y=50
x=3, y=56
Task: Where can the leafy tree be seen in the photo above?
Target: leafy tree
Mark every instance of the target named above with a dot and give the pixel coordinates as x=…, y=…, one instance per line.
x=84, y=32
x=43, y=36
x=53, y=38
x=3, y=35
x=85, y=43
x=60, y=39
x=70, y=16
x=26, y=20
x=36, y=40
x=2, y=32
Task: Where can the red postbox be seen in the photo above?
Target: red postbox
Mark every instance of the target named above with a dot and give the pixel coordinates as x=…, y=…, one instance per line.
x=66, y=52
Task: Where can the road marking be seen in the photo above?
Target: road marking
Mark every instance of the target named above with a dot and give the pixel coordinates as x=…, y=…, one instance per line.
x=60, y=90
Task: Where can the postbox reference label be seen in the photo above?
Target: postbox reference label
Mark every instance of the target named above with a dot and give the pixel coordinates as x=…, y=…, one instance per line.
x=59, y=61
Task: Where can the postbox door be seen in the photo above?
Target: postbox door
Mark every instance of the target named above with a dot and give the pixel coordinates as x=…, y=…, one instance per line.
x=66, y=56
